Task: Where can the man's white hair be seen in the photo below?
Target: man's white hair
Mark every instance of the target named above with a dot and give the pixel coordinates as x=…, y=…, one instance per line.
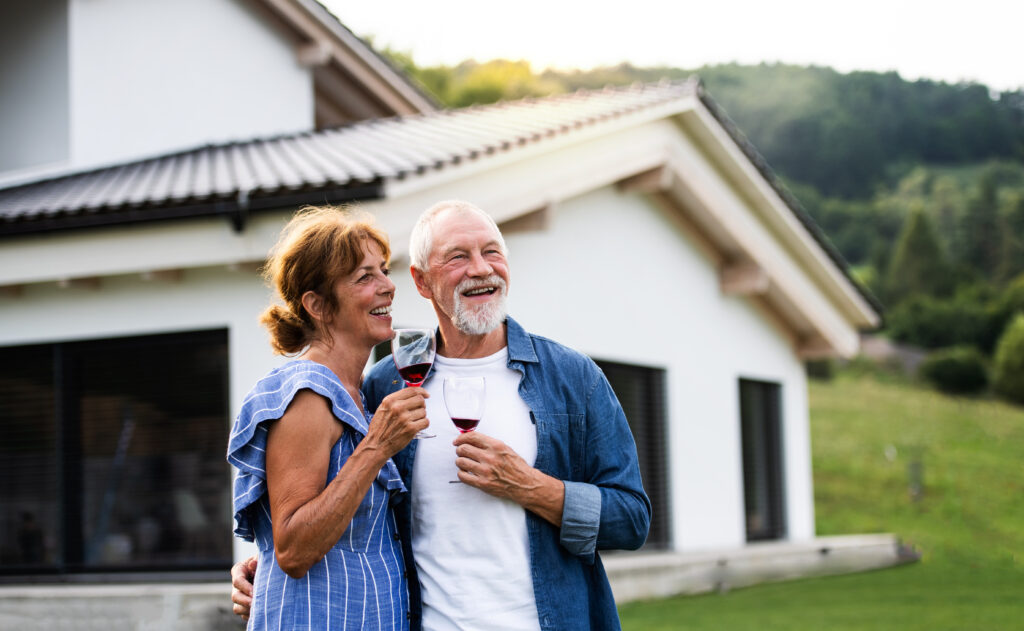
x=422, y=239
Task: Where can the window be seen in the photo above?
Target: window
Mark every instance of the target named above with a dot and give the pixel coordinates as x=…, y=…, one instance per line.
x=641, y=391
x=113, y=455
x=760, y=414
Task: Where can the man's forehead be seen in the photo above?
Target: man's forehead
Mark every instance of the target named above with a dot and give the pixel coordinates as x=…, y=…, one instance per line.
x=454, y=229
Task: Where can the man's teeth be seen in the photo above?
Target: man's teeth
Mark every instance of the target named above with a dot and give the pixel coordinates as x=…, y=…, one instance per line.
x=480, y=290
x=381, y=311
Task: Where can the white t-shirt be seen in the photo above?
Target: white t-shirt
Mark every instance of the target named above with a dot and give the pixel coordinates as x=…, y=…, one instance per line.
x=472, y=551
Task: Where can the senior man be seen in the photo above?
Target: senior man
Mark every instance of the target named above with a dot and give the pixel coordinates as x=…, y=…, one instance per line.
x=549, y=478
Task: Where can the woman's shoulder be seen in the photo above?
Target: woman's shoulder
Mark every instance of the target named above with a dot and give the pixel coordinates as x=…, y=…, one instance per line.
x=272, y=394
x=286, y=380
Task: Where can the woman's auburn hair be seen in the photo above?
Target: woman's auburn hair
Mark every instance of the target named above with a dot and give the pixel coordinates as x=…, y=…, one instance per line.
x=317, y=248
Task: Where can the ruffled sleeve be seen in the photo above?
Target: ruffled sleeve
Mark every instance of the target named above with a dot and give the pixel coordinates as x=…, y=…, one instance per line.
x=268, y=401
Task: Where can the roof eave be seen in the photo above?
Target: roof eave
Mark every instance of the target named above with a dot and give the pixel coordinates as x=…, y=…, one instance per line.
x=235, y=208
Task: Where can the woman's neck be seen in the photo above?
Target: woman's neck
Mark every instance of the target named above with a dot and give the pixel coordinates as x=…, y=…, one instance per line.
x=346, y=362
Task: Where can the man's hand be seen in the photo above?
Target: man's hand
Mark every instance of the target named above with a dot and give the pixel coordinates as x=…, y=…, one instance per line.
x=496, y=469
x=242, y=574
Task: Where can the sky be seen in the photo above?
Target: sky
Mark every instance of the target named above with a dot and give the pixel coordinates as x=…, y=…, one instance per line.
x=944, y=40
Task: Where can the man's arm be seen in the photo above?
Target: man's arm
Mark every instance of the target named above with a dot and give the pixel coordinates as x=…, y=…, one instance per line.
x=609, y=508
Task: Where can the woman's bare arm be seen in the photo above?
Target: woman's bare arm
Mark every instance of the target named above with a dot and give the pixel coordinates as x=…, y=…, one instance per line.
x=308, y=515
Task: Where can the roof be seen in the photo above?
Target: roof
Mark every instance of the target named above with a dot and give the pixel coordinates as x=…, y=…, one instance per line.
x=343, y=63
x=328, y=166
x=783, y=191
x=351, y=163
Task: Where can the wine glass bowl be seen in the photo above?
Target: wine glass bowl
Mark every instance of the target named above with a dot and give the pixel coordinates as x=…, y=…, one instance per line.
x=413, y=353
x=464, y=399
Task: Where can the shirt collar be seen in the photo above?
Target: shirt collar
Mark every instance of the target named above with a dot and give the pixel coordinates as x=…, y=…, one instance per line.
x=520, y=345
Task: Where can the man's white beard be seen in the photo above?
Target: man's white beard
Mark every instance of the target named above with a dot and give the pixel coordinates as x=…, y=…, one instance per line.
x=481, y=319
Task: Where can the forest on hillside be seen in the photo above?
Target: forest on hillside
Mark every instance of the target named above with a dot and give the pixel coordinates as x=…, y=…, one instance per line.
x=918, y=184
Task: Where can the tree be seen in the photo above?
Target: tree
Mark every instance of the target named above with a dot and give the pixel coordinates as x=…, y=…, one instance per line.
x=980, y=227
x=1011, y=250
x=918, y=265
x=1009, y=363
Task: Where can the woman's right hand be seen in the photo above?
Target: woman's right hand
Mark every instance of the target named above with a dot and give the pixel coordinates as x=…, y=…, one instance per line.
x=398, y=418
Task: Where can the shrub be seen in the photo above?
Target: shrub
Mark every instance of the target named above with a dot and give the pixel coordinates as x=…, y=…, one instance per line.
x=964, y=320
x=1009, y=363
x=820, y=369
x=955, y=370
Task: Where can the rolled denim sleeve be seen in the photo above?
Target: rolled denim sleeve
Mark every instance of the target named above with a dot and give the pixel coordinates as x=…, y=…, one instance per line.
x=611, y=469
x=581, y=518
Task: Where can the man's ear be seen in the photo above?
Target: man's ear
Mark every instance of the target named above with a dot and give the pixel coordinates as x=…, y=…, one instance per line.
x=422, y=286
x=314, y=305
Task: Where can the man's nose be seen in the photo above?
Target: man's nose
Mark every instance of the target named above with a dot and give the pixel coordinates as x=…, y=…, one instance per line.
x=478, y=265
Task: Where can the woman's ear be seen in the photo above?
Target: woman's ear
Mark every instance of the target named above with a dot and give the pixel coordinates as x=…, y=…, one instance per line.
x=314, y=305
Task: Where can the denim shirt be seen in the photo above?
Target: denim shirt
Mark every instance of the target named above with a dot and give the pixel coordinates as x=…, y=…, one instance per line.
x=584, y=440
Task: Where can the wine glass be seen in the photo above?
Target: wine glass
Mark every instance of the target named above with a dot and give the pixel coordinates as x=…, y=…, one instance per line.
x=413, y=352
x=464, y=399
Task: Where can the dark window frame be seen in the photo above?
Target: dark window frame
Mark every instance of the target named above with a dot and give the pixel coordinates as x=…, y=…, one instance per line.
x=650, y=429
x=763, y=459
x=70, y=562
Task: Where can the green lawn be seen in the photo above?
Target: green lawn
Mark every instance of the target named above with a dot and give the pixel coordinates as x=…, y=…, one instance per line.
x=967, y=521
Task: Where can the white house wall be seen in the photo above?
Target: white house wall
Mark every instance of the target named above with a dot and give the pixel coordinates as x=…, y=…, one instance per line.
x=151, y=77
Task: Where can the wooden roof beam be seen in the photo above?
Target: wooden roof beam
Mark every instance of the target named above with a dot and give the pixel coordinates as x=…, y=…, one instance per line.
x=313, y=54
x=745, y=278
x=12, y=291
x=164, y=275
x=91, y=283
x=368, y=78
x=815, y=347
x=656, y=180
x=536, y=220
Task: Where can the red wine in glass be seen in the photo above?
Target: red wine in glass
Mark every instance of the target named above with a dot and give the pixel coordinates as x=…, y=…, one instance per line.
x=415, y=374
x=413, y=353
x=465, y=424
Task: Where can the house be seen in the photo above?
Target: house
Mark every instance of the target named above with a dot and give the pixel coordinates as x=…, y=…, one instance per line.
x=643, y=229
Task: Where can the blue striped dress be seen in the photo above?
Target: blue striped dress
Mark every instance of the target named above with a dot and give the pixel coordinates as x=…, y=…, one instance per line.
x=360, y=584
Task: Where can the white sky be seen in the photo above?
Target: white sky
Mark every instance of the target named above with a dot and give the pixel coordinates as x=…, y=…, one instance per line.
x=979, y=40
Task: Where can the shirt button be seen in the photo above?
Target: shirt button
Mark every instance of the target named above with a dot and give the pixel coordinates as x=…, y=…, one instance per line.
x=396, y=536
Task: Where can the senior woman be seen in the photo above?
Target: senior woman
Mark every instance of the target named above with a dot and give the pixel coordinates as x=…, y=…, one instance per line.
x=315, y=472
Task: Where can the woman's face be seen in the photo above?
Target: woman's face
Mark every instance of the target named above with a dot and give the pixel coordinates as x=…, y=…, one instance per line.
x=364, y=301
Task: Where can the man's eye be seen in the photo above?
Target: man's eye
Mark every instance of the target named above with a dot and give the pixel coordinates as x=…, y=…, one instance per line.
x=386, y=271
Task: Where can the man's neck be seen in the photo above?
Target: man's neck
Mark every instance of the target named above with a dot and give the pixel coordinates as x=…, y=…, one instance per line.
x=458, y=345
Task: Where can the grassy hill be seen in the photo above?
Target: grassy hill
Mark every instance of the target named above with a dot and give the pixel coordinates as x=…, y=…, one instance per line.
x=873, y=438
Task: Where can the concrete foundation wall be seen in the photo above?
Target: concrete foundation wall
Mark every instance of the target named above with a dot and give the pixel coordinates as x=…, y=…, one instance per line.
x=634, y=576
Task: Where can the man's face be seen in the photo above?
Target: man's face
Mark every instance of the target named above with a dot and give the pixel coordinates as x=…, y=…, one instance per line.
x=467, y=273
